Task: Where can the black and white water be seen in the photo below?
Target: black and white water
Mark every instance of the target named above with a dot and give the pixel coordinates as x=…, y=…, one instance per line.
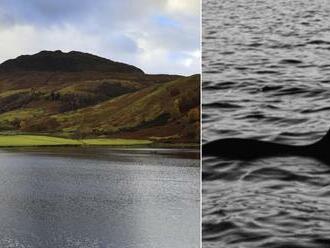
x=99, y=198
x=266, y=75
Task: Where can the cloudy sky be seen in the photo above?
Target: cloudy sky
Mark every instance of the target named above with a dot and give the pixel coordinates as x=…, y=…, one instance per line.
x=158, y=36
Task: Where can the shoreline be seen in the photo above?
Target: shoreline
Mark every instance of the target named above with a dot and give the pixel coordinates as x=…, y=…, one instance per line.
x=31, y=140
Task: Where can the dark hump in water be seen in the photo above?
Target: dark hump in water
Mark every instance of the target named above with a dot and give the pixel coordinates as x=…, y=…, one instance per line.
x=65, y=62
x=252, y=149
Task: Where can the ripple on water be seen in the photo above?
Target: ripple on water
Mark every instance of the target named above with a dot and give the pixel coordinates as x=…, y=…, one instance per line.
x=266, y=75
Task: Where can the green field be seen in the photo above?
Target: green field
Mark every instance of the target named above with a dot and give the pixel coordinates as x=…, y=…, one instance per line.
x=38, y=140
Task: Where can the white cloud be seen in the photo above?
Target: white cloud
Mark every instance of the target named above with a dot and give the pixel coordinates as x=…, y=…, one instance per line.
x=16, y=41
x=191, y=7
x=24, y=39
x=119, y=30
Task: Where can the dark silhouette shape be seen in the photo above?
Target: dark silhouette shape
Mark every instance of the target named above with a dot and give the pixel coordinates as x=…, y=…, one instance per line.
x=248, y=149
x=66, y=62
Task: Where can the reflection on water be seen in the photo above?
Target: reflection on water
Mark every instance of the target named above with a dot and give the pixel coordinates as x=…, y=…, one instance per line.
x=266, y=75
x=273, y=202
x=74, y=197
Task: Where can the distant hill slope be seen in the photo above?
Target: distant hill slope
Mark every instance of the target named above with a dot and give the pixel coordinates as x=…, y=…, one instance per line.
x=89, y=97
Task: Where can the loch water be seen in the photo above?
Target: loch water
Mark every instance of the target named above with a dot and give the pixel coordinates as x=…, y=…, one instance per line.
x=266, y=75
x=99, y=198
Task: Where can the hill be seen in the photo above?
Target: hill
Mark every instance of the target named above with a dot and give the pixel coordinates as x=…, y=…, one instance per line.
x=81, y=95
x=65, y=62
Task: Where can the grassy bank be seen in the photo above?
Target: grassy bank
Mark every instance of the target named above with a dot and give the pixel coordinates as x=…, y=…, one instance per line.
x=38, y=140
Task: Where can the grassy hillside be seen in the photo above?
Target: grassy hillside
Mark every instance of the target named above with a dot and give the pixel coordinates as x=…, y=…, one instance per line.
x=116, y=103
x=169, y=110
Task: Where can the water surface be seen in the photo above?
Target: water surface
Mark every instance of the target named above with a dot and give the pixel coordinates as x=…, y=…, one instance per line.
x=266, y=75
x=99, y=197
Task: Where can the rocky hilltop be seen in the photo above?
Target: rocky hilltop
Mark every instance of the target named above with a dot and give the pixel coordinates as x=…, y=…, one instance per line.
x=66, y=62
